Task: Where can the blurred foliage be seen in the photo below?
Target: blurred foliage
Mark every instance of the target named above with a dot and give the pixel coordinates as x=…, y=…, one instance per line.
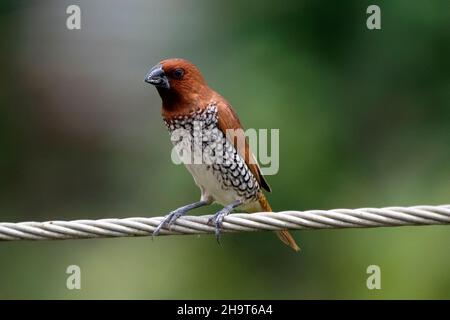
x=364, y=119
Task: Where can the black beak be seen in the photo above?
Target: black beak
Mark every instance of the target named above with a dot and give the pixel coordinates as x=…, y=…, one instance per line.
x=157, y=77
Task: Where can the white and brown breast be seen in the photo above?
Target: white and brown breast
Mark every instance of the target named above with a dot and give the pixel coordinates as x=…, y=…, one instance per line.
x=219, y=171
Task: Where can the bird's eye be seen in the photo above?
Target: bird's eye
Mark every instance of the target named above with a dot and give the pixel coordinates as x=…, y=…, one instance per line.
x=178, y=73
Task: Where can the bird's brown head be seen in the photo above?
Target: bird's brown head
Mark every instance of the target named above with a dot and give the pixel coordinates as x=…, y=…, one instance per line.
x=179, y=83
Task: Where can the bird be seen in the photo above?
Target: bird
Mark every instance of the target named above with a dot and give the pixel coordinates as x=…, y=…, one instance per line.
x=224, y=167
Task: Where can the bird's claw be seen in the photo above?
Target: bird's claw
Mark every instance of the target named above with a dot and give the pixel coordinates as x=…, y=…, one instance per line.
x=168, y=221
x=217, y=219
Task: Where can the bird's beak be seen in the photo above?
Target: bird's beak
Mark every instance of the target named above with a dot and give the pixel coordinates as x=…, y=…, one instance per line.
x=157, y=77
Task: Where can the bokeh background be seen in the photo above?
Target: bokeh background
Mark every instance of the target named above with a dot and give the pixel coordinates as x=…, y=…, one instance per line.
x=364, y=119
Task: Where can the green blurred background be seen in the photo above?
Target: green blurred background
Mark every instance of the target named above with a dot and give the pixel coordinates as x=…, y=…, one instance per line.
x=364, y=119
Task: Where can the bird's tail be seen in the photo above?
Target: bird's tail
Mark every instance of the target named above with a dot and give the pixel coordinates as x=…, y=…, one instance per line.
x=284, y=235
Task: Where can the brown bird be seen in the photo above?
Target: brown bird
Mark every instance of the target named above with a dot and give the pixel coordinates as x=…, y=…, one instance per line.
x=227, y=172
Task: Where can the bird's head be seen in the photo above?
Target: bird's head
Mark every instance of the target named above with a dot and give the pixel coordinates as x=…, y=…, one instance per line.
x=178, y=81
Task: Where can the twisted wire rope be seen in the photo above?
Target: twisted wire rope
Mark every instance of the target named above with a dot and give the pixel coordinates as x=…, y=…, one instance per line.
x=238, y=222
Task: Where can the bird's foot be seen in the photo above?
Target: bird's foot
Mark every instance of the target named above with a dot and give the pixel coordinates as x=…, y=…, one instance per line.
x=174, y=215
x=217, y=218
x=170, y=219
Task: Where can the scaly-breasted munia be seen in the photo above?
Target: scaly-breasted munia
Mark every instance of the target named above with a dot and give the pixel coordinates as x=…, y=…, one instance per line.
x=188, y=104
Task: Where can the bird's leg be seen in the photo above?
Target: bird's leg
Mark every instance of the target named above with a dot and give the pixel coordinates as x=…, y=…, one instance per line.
x=217, y=219
x=174, y=215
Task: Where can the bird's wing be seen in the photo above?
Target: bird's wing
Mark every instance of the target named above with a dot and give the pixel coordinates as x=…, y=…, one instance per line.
x=227, y=119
